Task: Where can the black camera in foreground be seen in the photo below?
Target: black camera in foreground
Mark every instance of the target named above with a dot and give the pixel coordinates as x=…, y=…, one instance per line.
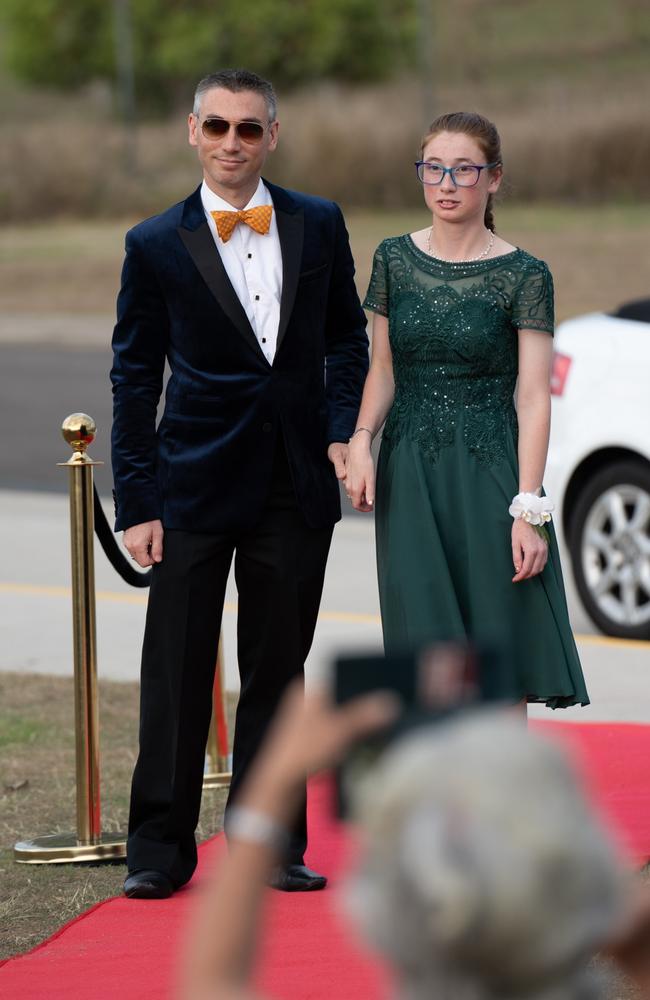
x=433, y=683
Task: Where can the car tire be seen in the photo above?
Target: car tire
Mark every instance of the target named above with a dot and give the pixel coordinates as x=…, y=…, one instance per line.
x=609, y=543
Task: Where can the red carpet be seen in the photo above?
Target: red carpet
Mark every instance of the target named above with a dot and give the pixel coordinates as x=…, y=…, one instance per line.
x=614, y=761
x=128, y=949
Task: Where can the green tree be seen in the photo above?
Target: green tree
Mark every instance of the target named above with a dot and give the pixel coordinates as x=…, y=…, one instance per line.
x=62, y=44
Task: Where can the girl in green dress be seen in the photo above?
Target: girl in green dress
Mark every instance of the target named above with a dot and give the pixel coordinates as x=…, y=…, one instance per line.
x=462, y=346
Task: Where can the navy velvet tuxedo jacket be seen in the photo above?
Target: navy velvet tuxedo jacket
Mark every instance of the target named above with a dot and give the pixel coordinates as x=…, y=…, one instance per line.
x=207, y=466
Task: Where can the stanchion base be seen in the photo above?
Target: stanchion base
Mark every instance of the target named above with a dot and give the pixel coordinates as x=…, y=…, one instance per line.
x=216, y=779
x=65, y=847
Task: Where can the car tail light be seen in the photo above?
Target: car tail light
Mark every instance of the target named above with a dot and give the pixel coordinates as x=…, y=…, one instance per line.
x=559, y=372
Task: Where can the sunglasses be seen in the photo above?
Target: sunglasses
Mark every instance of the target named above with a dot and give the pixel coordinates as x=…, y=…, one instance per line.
x=217, y=128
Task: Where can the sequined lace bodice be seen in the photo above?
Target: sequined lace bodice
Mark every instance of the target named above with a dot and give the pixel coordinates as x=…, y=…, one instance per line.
x=453, y=336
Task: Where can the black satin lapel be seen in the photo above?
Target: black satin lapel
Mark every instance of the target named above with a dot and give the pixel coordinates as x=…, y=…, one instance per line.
x=291, y=232
x=200, y=246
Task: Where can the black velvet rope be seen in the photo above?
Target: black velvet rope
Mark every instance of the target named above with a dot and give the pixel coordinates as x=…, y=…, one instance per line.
x=113, y=552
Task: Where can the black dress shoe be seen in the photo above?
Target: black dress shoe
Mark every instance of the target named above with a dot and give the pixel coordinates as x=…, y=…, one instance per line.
x=296, y=878
x=147, y=884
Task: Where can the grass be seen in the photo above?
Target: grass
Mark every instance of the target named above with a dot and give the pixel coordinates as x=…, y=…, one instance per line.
x=597, y=255
x=38, y=797
x=18, y=729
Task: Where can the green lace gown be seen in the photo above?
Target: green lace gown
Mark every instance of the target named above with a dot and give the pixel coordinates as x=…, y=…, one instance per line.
x=448, y=469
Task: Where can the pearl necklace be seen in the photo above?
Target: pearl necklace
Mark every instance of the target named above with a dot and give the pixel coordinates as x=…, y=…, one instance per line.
x=467, y=260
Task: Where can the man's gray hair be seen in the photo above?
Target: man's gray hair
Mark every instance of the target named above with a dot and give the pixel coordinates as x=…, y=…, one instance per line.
x=485, y=874
x=237, y=80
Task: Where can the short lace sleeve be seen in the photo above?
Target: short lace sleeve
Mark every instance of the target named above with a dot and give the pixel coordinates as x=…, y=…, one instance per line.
x=532, y=302
x=376, y=299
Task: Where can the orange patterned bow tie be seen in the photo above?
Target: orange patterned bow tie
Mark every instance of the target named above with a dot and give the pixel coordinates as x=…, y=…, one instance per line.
x=258, y=219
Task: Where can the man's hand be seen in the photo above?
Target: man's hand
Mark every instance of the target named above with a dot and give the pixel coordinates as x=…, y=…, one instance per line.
x=338, y=456
x=144, y=542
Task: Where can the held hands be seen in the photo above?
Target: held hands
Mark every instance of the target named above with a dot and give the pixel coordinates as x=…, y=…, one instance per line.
x=529, y=550
x=360, y=474
x=338, y=456
x=144, y=542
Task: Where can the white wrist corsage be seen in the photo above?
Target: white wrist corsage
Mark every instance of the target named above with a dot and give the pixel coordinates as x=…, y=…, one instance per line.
x=534, y=510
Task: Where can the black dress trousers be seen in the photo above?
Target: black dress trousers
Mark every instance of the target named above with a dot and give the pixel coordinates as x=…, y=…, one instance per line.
x=279, y=571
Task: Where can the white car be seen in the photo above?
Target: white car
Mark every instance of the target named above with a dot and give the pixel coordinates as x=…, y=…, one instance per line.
x=598, y=470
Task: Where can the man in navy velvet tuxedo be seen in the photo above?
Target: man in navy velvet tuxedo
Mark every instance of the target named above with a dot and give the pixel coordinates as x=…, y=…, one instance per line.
x=258, y=317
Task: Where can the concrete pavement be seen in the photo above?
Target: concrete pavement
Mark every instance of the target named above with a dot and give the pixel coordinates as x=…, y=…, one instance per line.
x=36, y=629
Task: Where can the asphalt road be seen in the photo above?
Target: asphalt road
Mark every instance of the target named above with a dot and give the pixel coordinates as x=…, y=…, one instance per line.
x=40, y=385
x=35, y=620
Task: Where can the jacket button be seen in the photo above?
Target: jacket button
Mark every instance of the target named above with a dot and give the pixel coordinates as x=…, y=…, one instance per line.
x=267, y=427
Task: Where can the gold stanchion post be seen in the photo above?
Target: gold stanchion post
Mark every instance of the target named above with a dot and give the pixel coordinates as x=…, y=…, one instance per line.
x=89, y=843
x=218, y=754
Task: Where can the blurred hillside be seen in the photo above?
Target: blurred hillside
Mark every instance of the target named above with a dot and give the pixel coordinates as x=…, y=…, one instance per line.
x=566, y=82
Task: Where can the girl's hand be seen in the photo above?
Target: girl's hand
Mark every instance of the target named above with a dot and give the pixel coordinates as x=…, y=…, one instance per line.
x=359, y=480
x=529, y=550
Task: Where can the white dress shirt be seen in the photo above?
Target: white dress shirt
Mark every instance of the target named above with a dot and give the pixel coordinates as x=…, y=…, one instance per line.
x=253, y=262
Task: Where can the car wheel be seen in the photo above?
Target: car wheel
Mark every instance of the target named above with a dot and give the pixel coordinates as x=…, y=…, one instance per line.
x=609, y=542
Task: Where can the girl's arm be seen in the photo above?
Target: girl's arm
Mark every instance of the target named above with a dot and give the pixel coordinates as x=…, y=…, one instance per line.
x=529, y=550
x=533, y=407
x=378, y=394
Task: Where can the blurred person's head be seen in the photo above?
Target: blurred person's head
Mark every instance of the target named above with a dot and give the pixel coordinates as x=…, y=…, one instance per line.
x=455, y=139
x=234, y=127
x=485, y=875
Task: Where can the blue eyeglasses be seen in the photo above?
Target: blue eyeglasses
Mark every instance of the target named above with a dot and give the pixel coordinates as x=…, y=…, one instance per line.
x=463, y=175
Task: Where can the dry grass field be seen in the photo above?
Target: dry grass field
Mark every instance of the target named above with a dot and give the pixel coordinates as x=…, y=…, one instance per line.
x=582, y=141
x=599, y=256
x=566, y=84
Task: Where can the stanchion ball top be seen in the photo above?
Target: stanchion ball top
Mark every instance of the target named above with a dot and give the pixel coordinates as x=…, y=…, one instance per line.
x=79, y=430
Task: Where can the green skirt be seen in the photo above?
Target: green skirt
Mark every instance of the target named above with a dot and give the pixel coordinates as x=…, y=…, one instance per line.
x=444, y=561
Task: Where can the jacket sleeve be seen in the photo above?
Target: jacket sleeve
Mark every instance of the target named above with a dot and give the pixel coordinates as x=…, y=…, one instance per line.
x=140, y=343
x=346, y=341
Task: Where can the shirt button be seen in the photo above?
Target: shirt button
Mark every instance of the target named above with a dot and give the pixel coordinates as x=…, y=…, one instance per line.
x=263, y=340
x=249, y=256
x=257, y=298
x=266, y=427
